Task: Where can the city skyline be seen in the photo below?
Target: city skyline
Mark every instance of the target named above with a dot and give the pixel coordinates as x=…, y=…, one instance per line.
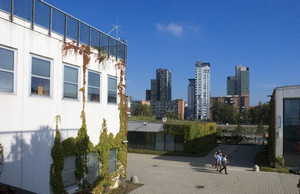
x=262, y=35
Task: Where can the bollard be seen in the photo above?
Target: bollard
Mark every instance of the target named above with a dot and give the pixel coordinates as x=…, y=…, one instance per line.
x=256, y=168
x=134, y=179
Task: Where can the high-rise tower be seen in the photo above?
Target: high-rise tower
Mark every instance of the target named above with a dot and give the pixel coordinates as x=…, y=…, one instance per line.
x=239, y=84
x=191, y=98
x=161, y=87
x=202, y=90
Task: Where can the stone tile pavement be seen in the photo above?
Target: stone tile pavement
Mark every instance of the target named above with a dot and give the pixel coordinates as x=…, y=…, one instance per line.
x=170, y=174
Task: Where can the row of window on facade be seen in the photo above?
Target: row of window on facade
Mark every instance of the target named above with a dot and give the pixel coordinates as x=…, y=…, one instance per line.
x=41, y=78
x=93, y=164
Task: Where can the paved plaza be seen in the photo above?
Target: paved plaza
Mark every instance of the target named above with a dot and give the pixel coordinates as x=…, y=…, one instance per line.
x=171, y=174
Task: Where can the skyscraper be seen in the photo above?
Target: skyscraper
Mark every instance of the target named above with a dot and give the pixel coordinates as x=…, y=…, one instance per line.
x=202, y=90
x=161, y=86
x=239, y=84
x=191, y=98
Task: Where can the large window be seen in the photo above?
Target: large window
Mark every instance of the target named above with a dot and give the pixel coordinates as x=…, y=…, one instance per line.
x=6, y=70
x=68, y=172
x=112, y=90
x=93, y=86
x=70, y=82
x=93, y=166
x=40, y=76
x=112, y=160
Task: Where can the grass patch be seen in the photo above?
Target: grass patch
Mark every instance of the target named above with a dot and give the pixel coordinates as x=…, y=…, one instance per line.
x=130, y=186
x=201, y=153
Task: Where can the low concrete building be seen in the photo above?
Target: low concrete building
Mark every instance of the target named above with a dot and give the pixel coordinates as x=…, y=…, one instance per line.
x=285, y=103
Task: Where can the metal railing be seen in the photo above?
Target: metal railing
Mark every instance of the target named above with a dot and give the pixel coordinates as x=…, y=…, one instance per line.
x=54, y=20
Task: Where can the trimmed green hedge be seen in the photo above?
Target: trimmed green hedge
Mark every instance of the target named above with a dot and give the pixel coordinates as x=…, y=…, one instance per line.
x=197, y=136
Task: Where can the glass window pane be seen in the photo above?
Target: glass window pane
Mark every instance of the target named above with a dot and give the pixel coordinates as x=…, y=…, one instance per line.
x=23, y=9
x=6, y=81
x=69, y=163
x=42, y=14
x=40, y=86
x=112, y=84
x=58, y=21
x=6, y=59
x=84, y=33
x=112, y=97
x=92, y=159
x=93, y=94
x=40, y=67
x=112, y=160
x=71, y=74
x=72, y=28
x=93, y=172
x=70, y=90
x=94, y=79
x=69, y=178
x=5, y=5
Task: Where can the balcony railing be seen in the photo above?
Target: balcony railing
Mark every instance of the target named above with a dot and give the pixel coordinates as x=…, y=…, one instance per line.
x=54, y=20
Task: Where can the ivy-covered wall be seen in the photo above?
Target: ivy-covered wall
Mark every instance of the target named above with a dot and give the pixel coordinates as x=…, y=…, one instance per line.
x=81, y=145
x=196, y=136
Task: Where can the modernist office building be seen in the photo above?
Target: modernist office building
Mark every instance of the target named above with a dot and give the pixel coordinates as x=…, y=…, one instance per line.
x=38, y=82
x=202, y=90
x=239, y=84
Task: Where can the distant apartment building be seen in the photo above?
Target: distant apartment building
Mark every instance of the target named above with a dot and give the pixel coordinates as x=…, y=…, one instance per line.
x=202, y=90
x=162, y=108
x=239, y=84
x=239, y=102
x=191, y=99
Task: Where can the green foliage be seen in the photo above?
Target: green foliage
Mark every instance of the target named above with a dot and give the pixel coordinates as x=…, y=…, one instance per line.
x=260, y=114
x=143, y=110
x=262, y=158
x=223, y=113
x=239, y=129
x=57, y=166
x=279, y=161
x=260, y=129
x=196, y=136
x=172, y=115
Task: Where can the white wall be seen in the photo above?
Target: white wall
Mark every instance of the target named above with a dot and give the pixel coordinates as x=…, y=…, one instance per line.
x=27, y=122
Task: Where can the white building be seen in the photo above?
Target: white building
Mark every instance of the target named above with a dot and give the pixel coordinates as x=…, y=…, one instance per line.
x=202, y=90
x=37, y=83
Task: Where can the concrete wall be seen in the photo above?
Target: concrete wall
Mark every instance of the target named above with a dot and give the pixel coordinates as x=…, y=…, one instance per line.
x=27, y=122
x=282, y=93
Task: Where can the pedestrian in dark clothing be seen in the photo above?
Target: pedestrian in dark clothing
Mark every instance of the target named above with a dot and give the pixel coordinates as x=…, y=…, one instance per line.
x=224, y=164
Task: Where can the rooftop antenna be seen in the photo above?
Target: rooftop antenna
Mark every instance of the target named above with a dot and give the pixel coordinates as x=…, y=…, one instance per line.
x=116, y=27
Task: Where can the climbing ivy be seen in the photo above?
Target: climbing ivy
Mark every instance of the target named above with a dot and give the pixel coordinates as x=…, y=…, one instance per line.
x=81, y=145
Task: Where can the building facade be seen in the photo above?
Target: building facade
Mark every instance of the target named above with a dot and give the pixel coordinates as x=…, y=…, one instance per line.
x=239, y=84
x=161, y=87
x=285, y=128
x=202, y=90
x=38, y=82
x=191, y=99
x=238, y=102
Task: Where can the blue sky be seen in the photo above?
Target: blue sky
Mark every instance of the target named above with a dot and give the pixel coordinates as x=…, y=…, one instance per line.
x=263, y=35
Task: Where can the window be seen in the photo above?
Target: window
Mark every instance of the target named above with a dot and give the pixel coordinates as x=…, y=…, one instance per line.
x=40, y=76
x=6, y=70
x=93, y=86
x=93, y=166
x=112, y=90
x=70, y=82
x=68, y=172
x=112, y=160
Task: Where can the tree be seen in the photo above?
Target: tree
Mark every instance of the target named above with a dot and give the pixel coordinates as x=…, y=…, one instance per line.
x=143, y=110
x=223, y=113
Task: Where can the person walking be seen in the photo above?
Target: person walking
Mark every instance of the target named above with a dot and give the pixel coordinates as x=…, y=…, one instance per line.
x=216, y=156
x=224, y=164
x=219, y=161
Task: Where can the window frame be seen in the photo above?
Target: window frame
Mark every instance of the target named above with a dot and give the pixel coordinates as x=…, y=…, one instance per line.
x=14, y=71
x=115, y=160
x=42, y=77
x=69, y=171
x=88, y=86
x=116, y=91
x=63, y=81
